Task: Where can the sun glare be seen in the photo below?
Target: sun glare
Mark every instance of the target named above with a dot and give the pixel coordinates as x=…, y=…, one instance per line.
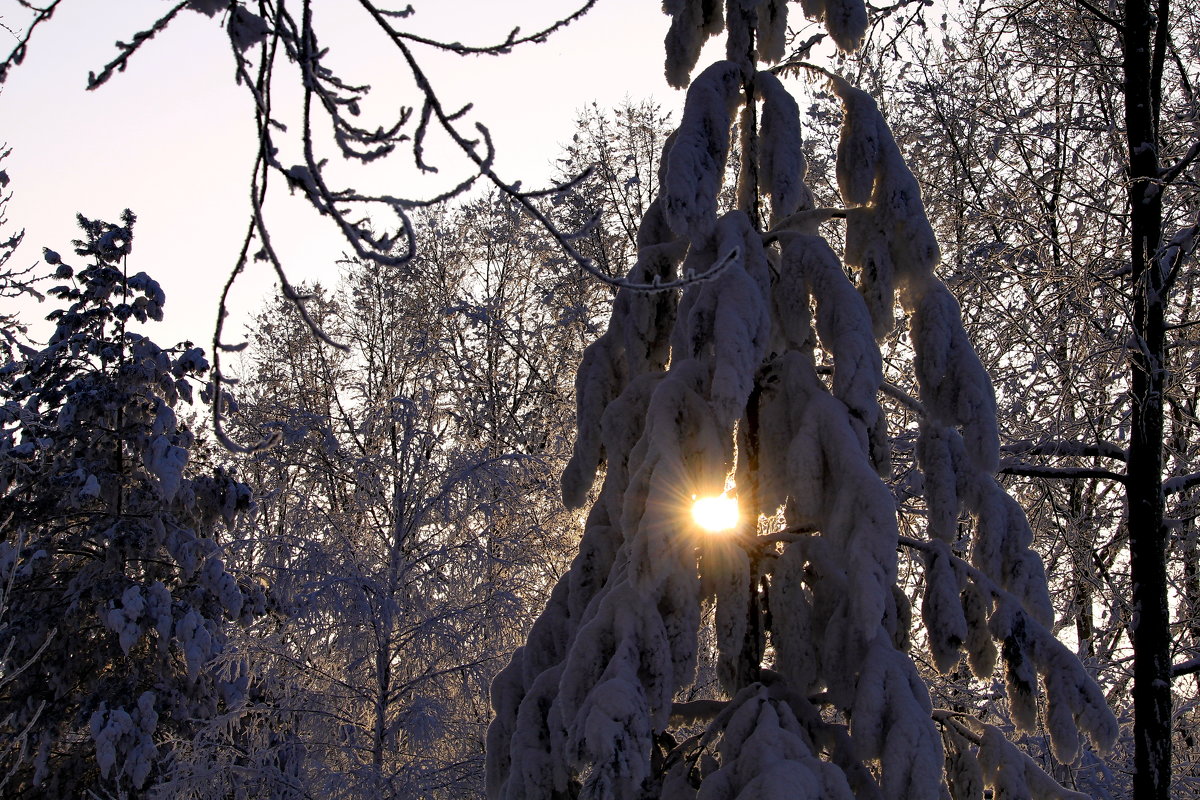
x=715, y=514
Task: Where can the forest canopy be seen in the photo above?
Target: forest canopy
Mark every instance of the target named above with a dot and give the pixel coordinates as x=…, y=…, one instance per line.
x=913, y=285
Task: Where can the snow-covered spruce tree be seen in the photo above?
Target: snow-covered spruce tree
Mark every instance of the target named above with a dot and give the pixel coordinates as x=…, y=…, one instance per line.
x=114, y=592
x=761, y=378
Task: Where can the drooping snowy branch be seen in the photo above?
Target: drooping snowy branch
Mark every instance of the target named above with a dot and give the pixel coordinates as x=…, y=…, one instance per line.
x=693, y=22
x=724, y=394
x=1074, y=703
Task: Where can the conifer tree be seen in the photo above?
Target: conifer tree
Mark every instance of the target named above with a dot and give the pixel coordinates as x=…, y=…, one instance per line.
x=740, y=358
x=113, y=592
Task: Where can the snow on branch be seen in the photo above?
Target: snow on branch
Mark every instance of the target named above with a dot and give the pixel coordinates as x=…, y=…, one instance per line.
x=1064, y=473
x=696, y=161
x=1181, y=483
x=994, y=761
x=1074, y=702
x=15, y=56
x=1190, y=667
x=843, y=324
x=716, y=389
x=694, y=21
x=782, y=166
x=1057, y=447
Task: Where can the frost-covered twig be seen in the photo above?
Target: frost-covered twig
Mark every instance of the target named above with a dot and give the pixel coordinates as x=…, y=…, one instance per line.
x=893, y=391
x=696, y=710
x=512, y=40
x=127, y=49
x=17, y=54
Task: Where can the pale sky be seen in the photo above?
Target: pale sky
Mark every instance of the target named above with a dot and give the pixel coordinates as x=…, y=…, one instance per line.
x=172, y=137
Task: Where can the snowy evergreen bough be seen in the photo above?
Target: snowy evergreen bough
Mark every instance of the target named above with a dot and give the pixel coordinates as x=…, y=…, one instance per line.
x=762, y=379
x=114, y=598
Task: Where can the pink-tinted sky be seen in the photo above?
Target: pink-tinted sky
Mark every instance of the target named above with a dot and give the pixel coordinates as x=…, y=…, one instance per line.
x=172, y=139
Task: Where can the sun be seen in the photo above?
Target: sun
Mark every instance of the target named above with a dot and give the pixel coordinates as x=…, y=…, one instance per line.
x=715, y=514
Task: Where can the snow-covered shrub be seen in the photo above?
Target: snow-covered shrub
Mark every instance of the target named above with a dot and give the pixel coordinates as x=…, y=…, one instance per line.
x=819, y=693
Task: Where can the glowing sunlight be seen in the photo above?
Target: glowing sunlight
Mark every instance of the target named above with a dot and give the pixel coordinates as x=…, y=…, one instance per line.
x=715, y=514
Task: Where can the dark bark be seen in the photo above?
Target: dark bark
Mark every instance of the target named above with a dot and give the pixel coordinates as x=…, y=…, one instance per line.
x=1082, y=501
x=1144, y=46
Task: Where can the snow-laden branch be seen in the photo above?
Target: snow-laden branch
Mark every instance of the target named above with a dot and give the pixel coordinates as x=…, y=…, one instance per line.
x=1190, y=667
x=1169, y=174
x=1075, y=704
x=1064, y=473
x=1181, y=483
x=1058, y=447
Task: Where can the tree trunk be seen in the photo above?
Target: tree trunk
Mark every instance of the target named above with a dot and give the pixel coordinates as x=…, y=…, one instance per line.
x=1144, y=46
x=1083, y=570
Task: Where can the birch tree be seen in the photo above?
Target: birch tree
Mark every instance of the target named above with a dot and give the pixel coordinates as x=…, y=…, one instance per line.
x=404, y=524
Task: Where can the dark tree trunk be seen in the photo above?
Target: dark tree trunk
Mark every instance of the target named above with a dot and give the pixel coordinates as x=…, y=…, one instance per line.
x=1144, y=46
x=1083, y=569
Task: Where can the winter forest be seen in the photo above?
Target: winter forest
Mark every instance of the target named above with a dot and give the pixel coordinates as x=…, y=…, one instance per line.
x=831, y=436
